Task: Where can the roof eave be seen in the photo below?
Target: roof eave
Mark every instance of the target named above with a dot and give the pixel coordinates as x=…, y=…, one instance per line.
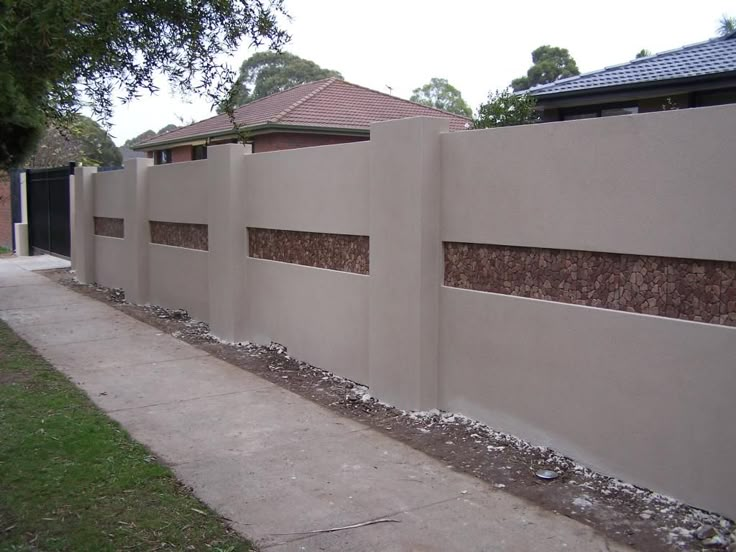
x=554, y=98
x=253, y=130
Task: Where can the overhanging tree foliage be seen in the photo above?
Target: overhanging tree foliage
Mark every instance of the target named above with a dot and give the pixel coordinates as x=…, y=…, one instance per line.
x=148, y=134
x=504, y=108
x=56, y=55
x=726, y=25
x=265, y=73
x=549, y=64
x=83, y=141
x=441, y=94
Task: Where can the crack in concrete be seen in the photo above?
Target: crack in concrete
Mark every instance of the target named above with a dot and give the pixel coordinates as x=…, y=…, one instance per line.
x=380, y=516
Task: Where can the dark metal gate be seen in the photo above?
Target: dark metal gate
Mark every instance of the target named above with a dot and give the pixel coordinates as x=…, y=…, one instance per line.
x=48, y=210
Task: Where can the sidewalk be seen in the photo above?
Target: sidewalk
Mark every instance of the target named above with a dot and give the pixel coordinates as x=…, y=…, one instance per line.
x=272, y=462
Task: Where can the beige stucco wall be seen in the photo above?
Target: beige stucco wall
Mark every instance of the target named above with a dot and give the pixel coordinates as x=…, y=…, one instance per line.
x=405, y=260
x=319, y=189
x=109, y=189
x=178, y=279
x=177, y=192
x=110, y=262
x=320, y=315
x=651, y=184
x=644, y=398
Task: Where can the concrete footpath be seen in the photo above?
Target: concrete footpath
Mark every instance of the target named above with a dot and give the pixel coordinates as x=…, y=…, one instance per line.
x=270, y=461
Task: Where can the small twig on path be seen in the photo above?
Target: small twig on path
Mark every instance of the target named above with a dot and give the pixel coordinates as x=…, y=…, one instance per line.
x=333, y=529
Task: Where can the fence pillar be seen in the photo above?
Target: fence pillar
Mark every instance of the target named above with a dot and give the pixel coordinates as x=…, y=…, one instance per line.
x=22, y=244
x=137, y=229
x=405, y=261
x=227, y=243
x=83, y=225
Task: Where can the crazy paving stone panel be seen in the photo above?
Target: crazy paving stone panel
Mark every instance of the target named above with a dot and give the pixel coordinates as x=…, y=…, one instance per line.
x=110, y=227
x=688, y=289
x=180, y=234
x=347, y=253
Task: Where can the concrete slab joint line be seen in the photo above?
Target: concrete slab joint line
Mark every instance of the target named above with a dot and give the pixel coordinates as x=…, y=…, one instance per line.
x=269, y=460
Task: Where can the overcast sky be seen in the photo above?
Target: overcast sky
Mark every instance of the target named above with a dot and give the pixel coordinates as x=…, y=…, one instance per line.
x=479, y=46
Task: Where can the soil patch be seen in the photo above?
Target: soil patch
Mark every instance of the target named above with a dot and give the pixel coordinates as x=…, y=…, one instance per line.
x=13, y=378
x=625, y=513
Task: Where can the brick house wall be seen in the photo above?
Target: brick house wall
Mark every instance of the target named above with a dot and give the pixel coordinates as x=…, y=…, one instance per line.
x=178, y=154
x=182, y=153
x=274, y=142
x=285, y=140
x=6, y=217
x=645, y=105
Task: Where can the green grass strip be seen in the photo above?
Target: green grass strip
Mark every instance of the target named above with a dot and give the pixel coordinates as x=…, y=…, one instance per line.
x=72, y=479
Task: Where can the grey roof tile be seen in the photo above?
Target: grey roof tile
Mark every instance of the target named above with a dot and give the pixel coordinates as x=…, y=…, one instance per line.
x=705, y=58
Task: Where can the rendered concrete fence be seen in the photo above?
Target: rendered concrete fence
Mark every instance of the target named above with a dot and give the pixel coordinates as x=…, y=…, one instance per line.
x=321, y=315
x=571, y=283
x=572, y=226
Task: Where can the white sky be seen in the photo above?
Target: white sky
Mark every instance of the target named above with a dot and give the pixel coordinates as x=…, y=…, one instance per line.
x=477, y=45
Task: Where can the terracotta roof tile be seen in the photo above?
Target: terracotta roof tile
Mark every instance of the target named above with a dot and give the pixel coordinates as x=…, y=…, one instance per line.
x=327, y=104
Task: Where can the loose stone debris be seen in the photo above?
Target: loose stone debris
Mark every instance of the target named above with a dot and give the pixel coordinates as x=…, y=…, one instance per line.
x=625, y=513
x=547, y=475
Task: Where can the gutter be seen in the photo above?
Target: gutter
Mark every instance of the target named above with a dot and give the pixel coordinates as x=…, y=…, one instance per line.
x=265, y=128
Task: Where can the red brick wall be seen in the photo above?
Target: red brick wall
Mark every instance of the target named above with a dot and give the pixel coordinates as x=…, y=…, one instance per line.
x=274, y=142
x=285, y=140
x=6, y=217
x=182, y=153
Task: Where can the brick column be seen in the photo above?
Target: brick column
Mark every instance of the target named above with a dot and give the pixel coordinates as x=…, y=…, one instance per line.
x=227, y=243
x=137, y=230
x=405, y=261
x=82, y=224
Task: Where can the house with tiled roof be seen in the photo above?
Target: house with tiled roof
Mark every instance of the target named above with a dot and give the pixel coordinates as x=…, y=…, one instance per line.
x=697, y=75
x=329, y=111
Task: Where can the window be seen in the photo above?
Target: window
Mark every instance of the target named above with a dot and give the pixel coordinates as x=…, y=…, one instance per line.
x=162, y=157
x=574, y=116
x=610, y=110
x=715, y=97
x=613, y=111
x=199, y=152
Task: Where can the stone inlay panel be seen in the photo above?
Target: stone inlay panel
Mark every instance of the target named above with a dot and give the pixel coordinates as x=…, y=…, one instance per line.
x=347, y=253
x=180, y=234
x=110, y=227
x=688, y=289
